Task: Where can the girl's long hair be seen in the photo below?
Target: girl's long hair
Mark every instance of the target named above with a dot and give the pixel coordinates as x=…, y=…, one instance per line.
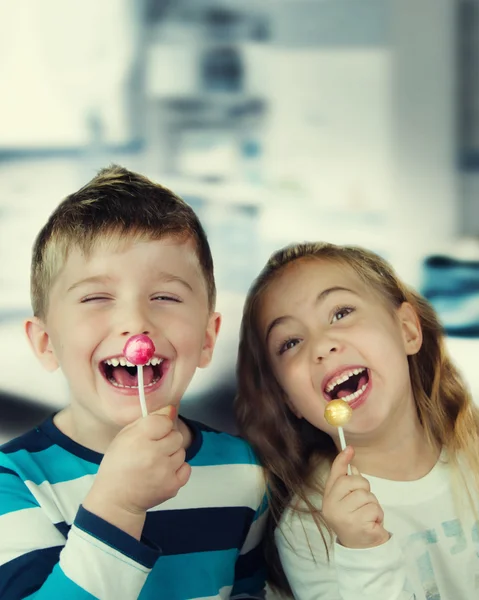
x=291, y=449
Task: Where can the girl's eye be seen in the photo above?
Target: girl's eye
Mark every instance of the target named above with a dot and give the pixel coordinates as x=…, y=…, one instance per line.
x=341, y=312
x=288, y=344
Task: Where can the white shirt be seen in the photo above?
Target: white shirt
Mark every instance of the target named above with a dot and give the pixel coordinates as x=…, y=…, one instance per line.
x=431, y=554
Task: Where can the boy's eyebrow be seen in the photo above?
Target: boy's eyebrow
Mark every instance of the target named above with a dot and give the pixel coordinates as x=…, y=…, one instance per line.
x=166, y=277
x=321, y=297
x=93, y=279
x=169, y=277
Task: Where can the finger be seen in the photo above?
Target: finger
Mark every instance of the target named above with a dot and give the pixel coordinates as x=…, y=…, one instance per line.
x=345, y=485
x=183, y=474
x=357, y=499
x=169, y=411
x=339, y=467
x=370, y=513
x=156, y=426
x=177, y=459
x=170, y=443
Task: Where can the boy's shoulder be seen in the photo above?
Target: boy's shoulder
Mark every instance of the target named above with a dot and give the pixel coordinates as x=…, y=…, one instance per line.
x=22, y=454
x=33, y=440
x=45, y=454
x=218, y=447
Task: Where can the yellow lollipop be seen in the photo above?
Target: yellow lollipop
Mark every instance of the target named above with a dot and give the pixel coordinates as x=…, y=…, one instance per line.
x=337, y=413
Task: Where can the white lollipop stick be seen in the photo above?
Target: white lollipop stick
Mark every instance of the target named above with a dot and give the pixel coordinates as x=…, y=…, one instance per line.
x=342, y=440
x=141, y=390
x=138, y=350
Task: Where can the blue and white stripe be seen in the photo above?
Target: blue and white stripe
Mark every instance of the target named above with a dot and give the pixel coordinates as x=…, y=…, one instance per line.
x=202, y=544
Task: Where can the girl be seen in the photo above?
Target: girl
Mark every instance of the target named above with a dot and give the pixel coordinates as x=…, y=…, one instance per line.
x=324, y=322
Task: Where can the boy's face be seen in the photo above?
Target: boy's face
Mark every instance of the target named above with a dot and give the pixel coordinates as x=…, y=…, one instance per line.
x=98, y=302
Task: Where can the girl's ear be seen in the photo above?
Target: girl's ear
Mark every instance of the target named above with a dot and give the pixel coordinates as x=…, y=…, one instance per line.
x=40, y=343
x=410, y=328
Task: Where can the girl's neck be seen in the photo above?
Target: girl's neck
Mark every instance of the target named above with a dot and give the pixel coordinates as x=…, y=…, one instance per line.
x=405, y=455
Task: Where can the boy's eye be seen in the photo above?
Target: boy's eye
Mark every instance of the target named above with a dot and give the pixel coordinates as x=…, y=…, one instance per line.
x=288, y=344
x=342, y=312
x=93, y=298
x=166, y=298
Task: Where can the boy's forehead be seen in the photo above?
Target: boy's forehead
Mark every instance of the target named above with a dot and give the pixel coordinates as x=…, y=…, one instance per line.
x=104, y=257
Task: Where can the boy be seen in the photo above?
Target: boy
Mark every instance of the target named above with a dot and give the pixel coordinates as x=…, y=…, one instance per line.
x=99, y=502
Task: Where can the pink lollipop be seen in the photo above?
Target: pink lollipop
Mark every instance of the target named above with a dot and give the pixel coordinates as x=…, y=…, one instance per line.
x=138, y=350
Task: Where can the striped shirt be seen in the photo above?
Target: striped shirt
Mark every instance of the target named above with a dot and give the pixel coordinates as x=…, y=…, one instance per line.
x=202, y=544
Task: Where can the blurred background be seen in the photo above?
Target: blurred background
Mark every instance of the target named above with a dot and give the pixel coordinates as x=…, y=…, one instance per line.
x=350, y=121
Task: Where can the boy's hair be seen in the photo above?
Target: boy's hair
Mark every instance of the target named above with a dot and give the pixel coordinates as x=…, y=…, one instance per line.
x=115, y=203
x=291, y=449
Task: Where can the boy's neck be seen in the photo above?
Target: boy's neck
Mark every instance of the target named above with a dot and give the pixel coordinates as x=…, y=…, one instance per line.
x=98, y=436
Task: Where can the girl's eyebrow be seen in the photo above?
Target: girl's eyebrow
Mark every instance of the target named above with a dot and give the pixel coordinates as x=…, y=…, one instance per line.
x=321, y=297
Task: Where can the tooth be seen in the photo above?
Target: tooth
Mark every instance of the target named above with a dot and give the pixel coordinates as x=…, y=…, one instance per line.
x=129, y=364
x=114, y=361
x=122, y=361
x=155, y=361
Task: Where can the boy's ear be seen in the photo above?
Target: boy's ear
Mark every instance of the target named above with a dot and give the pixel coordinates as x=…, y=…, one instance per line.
x=411, y=328
x=211, y=334
x=41, y=344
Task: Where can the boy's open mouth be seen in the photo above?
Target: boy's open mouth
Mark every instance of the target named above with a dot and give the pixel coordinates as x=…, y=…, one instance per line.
x=349, y=385
x=122, y=374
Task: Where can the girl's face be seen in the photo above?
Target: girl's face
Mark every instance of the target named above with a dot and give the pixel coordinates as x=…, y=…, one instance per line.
x=328, y=335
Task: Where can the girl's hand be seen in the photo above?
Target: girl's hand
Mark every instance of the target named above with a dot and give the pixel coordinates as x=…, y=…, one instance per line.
x=349, y=507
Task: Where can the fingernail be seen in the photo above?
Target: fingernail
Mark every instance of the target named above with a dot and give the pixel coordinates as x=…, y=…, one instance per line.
x=354, y=470
x=169, y=411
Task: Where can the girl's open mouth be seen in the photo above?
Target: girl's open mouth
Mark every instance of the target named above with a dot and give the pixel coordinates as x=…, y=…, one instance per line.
x=348, y=386
x=122, y=374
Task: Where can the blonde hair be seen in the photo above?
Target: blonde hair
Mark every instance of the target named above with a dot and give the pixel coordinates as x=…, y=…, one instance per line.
x=290, y=448
x=117, y=203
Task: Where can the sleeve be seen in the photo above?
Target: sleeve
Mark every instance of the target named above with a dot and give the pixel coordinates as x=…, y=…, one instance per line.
x=350, y=574
x=250, y=571
x=38, y=561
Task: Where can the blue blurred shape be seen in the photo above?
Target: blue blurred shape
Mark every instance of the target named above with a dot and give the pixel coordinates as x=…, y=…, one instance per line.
x=452, y=287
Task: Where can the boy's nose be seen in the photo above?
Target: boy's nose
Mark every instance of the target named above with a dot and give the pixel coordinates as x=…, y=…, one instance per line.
x=133, y=319
x=130, y=333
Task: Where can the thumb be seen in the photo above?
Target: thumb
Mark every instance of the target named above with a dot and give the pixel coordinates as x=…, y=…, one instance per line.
x=339, y=467
x=167, y=411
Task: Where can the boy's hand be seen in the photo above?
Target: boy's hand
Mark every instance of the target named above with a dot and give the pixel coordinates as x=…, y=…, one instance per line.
x=143, y=467
x=349, y=507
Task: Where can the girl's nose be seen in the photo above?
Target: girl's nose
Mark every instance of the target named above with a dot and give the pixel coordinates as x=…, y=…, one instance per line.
x=324, y=348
